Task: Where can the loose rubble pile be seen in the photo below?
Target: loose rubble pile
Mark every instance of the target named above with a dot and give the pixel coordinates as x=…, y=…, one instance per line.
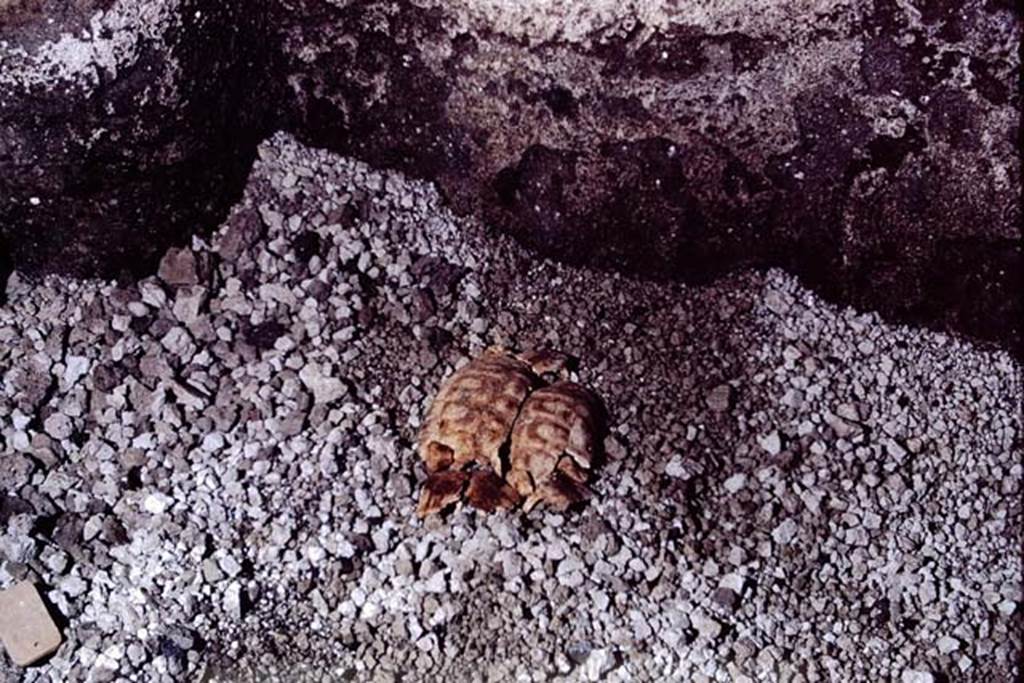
x=211, y=474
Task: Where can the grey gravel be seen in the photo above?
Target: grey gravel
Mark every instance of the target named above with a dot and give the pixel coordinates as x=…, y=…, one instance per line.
x=720, y=398
x=213, y=474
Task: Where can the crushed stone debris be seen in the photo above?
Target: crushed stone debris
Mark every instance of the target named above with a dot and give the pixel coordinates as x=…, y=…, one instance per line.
x=212, y=473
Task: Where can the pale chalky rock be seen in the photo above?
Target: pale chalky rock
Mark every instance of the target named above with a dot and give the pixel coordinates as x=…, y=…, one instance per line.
x=720, y=398
x=26, y=628
x=319, y=381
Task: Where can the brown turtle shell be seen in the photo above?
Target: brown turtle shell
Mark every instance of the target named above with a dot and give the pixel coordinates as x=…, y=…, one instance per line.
x=554, y=444
x=467, y=425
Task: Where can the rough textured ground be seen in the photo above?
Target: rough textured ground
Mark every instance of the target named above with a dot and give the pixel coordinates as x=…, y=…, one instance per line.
x=211, y=473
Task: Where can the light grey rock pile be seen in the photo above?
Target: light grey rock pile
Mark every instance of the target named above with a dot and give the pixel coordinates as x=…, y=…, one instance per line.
x=212, y=472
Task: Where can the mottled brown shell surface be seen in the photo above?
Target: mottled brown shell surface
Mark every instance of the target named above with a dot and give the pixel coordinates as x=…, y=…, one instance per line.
x=474, y=411
x=554, y=443
x=490, y=442
x=468, y=423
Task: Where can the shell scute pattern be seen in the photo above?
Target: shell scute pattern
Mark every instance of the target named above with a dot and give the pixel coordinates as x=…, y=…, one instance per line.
x=467, y=425
x=554, y=445
x=495, y=434
x=475, y=408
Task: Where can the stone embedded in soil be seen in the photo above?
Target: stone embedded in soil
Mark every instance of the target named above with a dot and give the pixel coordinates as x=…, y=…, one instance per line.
x=232, y=600
x=785, y=531
x=947, y=645
x=707, y=627
x=157, y=503
x=720, y=398
x=726, y=598
x=58, y=426
x=735, y=483
x=178, y=267
x=27, y=630
x=772, y=443
x=318, y=380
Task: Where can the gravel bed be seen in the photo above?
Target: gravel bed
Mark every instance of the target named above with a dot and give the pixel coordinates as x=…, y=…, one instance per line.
x=211, y=473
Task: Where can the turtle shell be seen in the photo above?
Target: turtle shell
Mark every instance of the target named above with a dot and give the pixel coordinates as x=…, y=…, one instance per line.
x=474, y=411
x=554, y=444
x=466, y=427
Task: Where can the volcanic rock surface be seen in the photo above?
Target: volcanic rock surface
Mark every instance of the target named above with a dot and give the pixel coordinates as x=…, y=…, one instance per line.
x=868, y=146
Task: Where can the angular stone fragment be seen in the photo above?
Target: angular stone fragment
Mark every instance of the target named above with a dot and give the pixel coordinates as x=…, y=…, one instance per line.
x=784, y=532
x=178, y=268
x=771, y=443
x=726, y=597
x=317, y=379
x=948, y=644
x=243, y=230
x=706, y=626
x=26, y=628
x=597, y=665
x=58, y=426
x=720, y=398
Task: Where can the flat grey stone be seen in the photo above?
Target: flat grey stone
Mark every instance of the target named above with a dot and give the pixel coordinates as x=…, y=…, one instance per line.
x=26, y=628
x=719, y=399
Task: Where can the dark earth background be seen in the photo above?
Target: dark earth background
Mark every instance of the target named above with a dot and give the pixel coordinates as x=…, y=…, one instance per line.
x=870, y=147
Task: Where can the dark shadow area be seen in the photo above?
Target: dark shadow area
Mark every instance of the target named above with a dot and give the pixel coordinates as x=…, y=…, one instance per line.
x=101, y=180
x=336, y=101
x=644, y=207
x=6, y=268
x=153, y=214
